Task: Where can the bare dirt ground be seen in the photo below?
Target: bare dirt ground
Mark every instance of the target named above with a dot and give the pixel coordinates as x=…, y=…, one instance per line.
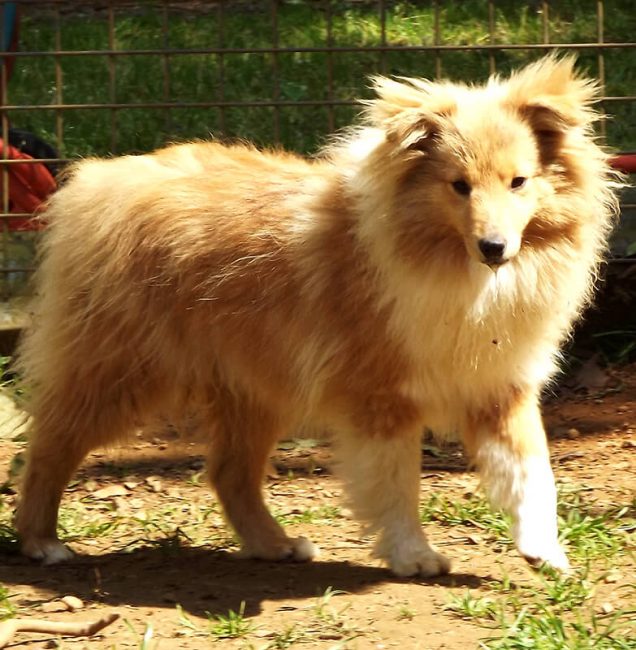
x=153, y=546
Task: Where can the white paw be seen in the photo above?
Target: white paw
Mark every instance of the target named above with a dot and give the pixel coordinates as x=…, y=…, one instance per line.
x=298, y=549
x=541, y=550
x=413, y=558
x=48, y=551
x=553, y=556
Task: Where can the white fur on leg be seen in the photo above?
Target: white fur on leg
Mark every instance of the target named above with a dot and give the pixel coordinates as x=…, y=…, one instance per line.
x=408, y=553
x=297, y=549
x=535, y=519
x=524, y=487
x=382, y=476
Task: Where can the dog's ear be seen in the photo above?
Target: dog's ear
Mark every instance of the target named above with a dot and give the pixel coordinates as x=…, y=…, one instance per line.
x=410, y=111
x=552, y=96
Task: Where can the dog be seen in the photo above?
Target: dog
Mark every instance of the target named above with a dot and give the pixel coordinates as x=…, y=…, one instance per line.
x=423, y=271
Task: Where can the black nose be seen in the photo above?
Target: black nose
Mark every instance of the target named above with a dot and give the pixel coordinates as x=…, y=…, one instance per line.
x=492, y=248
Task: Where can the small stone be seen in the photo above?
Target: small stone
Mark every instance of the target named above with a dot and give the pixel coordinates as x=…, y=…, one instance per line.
x=572, y=434
x=53, y=606
x=612, y=576
x=121, y=506
x=154, y=483
x=110, y=491
x=607, y=608
x=73, y=603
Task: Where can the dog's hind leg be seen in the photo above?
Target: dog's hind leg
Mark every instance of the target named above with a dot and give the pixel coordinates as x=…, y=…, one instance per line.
x=511, y=453
x=237, y=460
x=51, y=461
x=66, y=426
x=382, y=476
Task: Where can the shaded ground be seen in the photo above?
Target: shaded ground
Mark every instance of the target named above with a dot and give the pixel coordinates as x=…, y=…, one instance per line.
x=155, y=550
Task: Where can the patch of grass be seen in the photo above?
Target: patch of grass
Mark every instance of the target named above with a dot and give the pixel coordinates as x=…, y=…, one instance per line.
x=618, y=346
x=554, y=611
x=532, y=631
x=146, y=636
x=286, y=638
x=78, y=522
x=589, y=532
x=233, y=625
x=169, y=526
x=473, y=511
x=406, y=613
x=323, y=608
x=592, y=533
x=329, y=623
x=467, y=605
x=323, y=514
x=7, y=608
x=322, y=622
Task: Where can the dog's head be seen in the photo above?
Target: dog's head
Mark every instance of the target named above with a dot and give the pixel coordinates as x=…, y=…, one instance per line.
x=475, y=168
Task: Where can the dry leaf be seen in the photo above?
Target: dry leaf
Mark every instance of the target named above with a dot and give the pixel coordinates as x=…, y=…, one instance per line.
x=110, y=491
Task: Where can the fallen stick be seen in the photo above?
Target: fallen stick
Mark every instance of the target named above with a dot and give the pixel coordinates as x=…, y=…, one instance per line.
x=10, y=628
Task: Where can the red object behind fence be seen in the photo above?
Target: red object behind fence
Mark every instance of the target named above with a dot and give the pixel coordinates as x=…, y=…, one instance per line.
x=29, y=186
x=625, y=162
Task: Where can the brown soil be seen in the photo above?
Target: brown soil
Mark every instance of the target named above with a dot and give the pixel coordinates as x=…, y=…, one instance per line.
x=593, y=438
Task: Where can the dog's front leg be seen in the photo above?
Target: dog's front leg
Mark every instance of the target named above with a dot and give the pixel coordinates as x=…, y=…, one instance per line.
x=508, y=444
x=382, y=475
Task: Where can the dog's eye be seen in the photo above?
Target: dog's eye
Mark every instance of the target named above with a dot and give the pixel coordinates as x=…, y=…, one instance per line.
x=461, y=187
x=518, y=182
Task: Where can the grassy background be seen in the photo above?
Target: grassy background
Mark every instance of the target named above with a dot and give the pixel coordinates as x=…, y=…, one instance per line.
x=301, y=75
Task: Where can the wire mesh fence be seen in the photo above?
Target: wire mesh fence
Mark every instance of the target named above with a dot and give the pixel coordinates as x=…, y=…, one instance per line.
x=112, y=77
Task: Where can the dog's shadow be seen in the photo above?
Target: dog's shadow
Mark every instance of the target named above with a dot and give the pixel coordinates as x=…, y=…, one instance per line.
x=200, y=580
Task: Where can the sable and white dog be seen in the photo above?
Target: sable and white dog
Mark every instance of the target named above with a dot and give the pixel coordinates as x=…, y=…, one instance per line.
x=421, y=273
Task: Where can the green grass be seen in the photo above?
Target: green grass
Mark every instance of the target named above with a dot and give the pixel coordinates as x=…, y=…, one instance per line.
x=302, y=75
x=589, y=531
x=233, y=625
x=321, y=620
x=554, y=611
x=559, y=613
x=219, y=627
x=322, y=515
x=473, y=512
x=7, y=608
x=166, y=527
x=146, y=636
